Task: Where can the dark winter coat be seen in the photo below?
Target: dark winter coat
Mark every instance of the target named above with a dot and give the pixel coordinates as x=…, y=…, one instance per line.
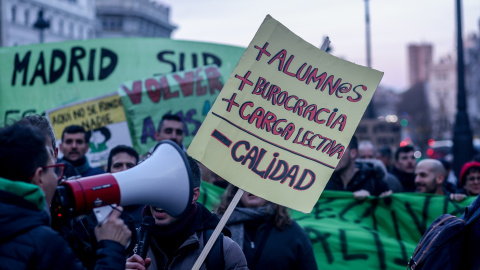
x=366, y=178
x=471, y=249
x=268, y=247
x=27, y=241
x=186, y=255
x=407, y=179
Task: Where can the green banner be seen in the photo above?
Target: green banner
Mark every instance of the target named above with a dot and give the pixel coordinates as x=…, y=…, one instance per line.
x=40, y=77
x=376, y=233
x=188, y=94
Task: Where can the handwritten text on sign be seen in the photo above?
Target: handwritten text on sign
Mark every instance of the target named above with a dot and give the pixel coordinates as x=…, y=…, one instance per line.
x=284, y=118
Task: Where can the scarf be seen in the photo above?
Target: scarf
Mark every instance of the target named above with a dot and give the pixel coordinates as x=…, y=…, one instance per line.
x=241, y=215
x=81, y=164
x=170, y=238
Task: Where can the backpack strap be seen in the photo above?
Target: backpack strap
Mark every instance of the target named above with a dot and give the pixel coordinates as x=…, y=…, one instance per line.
x=215, y=259
x=412, y=264
x=474, y=217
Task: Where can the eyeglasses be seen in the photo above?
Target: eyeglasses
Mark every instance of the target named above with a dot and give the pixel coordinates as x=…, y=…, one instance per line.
x=473, y=178
x=59, y=169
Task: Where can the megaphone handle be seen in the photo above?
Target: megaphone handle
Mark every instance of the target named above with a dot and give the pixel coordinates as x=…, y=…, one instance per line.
x=218, y=229
x=102, y=212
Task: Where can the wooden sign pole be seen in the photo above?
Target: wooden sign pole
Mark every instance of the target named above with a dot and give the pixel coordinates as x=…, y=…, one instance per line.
x=218, y=229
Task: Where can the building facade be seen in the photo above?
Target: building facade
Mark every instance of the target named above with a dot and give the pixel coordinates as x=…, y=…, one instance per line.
x=420, y=59
x=132, y=18
x=68, y=20
x=442, y=97
x=442, y=89
x=472, y=79
x=81, y=19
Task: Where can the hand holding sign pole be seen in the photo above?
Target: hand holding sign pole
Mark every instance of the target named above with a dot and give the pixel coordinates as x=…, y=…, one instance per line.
x=226, y=142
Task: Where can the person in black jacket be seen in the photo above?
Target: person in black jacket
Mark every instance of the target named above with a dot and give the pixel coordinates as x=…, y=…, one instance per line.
x=361, y=178
x=269, y=238
x=404, y=167
x=28, y=181
x=176, y=243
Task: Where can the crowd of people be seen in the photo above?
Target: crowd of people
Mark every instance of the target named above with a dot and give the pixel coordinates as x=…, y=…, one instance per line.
x=258, y=235
x=365, y=171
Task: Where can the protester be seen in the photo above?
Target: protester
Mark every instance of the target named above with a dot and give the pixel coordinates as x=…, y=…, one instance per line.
x=74, y=146
x=218, y=181
x=470, y=178
x=77, y=231
x=429, y=177
x=176, y=243
x=121, y=158
x=384, y=153
x=368, y=153
x=450, y=183
x=170, y=128
x=269, y=238
x=358, y=177
x=404, y=167
x=366, y=150
x=28, y=181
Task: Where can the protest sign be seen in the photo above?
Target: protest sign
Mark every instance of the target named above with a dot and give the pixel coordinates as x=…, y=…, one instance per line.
x=376, y=233
x=103, y=117
x=284, y=118
x=188, y=94
x=39, y=77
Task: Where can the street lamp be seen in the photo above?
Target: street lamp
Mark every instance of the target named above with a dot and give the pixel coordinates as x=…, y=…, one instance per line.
x=41, y=24
x=462, y=134
x=370, y=112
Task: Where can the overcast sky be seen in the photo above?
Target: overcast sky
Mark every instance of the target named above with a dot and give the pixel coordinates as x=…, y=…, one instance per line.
x=393, y=24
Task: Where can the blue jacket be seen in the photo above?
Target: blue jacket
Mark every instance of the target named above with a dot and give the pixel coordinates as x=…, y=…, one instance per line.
x=27, y=241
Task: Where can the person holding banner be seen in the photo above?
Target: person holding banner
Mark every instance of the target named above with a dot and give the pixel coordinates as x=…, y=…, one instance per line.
x=361, y=178
x=28, y=181
x=74, y=146
x=430, y=175
x=470, y=178
x=269, y=238
x=176, y=243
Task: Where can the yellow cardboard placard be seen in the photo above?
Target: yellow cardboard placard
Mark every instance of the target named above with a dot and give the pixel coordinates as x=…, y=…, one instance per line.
x=91, y=114
x=284, y=118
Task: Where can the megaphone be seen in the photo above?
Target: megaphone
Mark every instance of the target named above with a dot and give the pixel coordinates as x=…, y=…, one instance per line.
x=163, y=180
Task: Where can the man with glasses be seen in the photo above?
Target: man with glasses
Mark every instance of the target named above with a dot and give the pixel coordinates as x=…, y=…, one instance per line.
x=470, y=178
x=28, y=181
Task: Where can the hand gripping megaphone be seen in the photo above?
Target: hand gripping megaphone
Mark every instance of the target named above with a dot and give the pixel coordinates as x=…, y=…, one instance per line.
x=163, y=180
